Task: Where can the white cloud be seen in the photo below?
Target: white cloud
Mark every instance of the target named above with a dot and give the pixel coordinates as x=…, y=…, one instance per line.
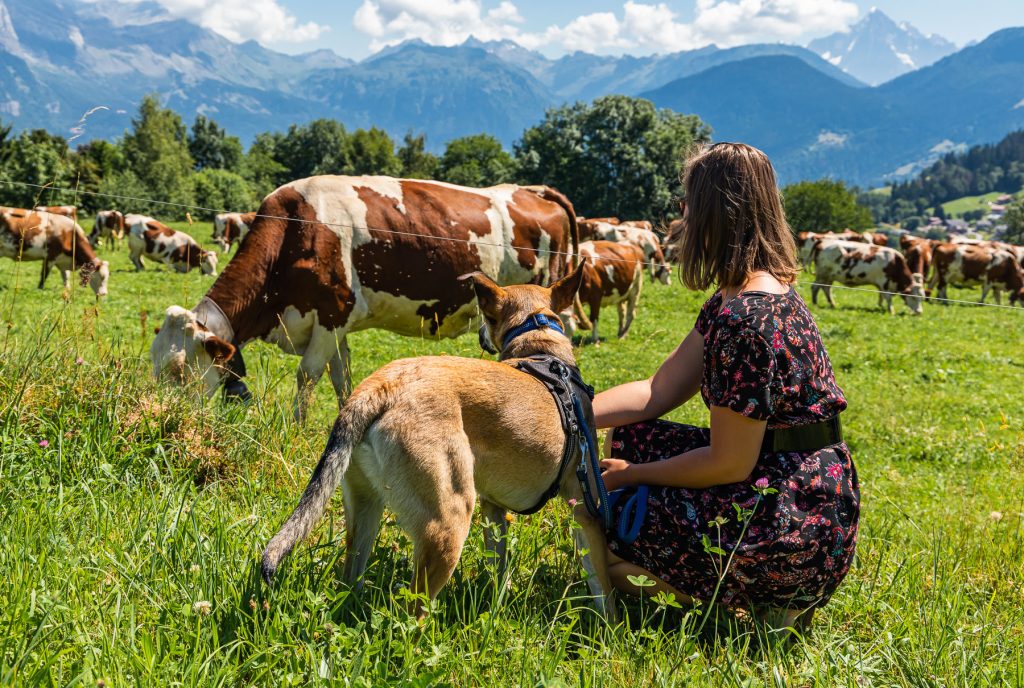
x=440, y=22
x=265, y=21
x=639, y=28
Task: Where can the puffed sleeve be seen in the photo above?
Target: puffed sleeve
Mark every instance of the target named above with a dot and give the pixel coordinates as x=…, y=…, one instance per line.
x=742, y=371
x=706, y=315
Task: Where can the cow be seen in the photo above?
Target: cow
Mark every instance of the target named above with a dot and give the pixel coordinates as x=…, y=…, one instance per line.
x=995, y=269
x=231, y=227
x=65, y=210
x=152, y=239
x=855, y=263
x=109, y=225
x=918, y=252
x=613, y=276
x=55, y=240
x=645, y=239
x=641, y=224
x=588, y=227
x=876, y=238
x=330, y=255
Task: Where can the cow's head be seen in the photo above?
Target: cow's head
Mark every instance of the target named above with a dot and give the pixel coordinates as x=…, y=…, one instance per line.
x=914, y=295
x=208, y=263
x=96, y=275
x=660, y=269
x=185, y=350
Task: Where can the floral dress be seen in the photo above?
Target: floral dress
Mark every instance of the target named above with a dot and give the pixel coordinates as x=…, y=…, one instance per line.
x=763, y=358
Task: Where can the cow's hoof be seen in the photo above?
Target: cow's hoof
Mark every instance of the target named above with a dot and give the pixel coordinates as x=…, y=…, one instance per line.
x=237, y=392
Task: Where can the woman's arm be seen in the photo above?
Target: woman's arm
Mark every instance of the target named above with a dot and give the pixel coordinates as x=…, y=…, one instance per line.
x=735, y=447
x=676, y=381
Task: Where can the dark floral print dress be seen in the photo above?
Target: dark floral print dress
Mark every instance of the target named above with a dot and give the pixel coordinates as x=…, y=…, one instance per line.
x=763, y=358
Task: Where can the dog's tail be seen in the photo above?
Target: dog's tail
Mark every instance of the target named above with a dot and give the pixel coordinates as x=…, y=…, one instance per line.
x=360, y=411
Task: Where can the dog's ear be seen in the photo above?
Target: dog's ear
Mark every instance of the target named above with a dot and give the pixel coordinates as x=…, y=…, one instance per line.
x=564, y=290
x=220, y=351
x=488, y=293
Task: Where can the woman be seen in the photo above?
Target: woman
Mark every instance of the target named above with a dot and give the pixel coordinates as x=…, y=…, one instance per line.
x=761, y=508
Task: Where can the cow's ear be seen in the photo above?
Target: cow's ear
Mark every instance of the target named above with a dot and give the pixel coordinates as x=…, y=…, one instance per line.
x=220, y=351
x=564, y=290
x=488, y=293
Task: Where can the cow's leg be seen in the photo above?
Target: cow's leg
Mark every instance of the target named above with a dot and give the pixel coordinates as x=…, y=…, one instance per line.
x=320, y=350
x=45, y=273
x=985, y=286
x=341, y=371
x=997, y=294
x=136, y=258
x=595, y=313
x=885, y=301
x=828, y=295
x=814, y=294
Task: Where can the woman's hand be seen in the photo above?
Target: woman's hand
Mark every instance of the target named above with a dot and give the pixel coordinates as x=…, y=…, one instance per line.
x=616, y=473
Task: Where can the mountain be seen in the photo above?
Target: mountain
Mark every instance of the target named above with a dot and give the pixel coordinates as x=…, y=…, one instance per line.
x=447, y=92
x=812, y=125
x=876, y=49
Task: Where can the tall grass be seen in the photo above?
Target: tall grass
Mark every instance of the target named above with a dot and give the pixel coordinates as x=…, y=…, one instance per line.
x=132, y=518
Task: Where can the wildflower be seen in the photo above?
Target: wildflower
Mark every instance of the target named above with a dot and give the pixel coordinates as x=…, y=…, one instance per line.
x=572, y=503
x=252, y=603
x=266, y=606
x=761, y=483
x=202, y=607
x=100, y=683
x=996, y=515
x=44, y=443
x=509, y=517
x=79, y=361
x=194, y=568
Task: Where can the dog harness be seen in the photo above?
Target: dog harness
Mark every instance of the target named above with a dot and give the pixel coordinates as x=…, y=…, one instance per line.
x=573, y=399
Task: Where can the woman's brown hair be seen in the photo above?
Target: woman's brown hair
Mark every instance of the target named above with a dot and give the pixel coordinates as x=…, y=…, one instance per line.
x=734, y=222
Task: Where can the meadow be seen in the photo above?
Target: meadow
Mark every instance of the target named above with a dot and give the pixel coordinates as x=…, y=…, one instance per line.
x=132, y=517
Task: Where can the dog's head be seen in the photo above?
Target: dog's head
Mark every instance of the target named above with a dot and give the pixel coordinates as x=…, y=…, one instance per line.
x=504, y=308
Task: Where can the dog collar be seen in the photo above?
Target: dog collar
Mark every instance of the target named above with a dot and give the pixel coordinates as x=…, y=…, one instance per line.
x=537, y=321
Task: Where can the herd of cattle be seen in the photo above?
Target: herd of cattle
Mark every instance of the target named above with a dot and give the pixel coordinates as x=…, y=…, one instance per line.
x=862, y=259
x=330, y=255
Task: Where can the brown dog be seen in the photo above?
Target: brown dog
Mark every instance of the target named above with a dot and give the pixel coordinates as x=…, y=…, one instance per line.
x=426, y=436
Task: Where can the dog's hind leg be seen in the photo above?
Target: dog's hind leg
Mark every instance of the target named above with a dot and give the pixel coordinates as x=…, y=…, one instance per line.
x=495, y=532
x=363, y=510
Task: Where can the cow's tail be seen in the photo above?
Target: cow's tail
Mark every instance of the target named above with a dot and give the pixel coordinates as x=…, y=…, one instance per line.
x=555, y=196
x=360, y=411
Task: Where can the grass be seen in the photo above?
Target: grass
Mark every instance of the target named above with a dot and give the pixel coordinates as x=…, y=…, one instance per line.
x=959, y=206
x=149, y=507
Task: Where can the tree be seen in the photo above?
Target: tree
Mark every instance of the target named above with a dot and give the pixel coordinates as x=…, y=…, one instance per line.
x=315, y=148
x=94, y=162
x=416, y=162
x=618, y=156
x=477, y=160
x=1015, y=222
x=371, y=151
x=222, y=190
x=37, y=158
x=261, y=168
x=212, y=148
x=157, y=154
x=824, y=206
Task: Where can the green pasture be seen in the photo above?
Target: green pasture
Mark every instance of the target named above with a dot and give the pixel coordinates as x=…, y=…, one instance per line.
x=959, y=206
x=132, y=518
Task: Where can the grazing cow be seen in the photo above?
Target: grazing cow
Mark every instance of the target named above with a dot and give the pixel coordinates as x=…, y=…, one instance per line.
x=854, y=263
x=155, y=240
x=876, y=238
x=55, y=240
x=645, y=239
x=331, y=255
x=65, y=210
x=589, y=227
x=109, y=225
x=231, y=227
x=613, y=276
x=968, y=265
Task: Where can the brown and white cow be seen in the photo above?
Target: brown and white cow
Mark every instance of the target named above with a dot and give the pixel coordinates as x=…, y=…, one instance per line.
x=918, y=252
x=613, y=276
x=65, y=210
x=331, y=255
x=231, y=227
x=645, y=239
x=55, y=240
x=969, y=265
x=109, y=225
x=854, y=263
x=152, y=239
x=589, y=227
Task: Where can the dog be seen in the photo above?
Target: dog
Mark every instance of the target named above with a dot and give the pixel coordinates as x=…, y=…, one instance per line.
x=426, y=436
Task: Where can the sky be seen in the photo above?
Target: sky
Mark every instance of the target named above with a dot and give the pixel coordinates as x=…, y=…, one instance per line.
x=358, y=28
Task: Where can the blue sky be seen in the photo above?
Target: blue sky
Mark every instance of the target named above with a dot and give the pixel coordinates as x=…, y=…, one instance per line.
x=357, y=28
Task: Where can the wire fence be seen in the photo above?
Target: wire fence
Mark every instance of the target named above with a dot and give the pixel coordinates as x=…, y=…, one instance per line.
x=420, y=235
